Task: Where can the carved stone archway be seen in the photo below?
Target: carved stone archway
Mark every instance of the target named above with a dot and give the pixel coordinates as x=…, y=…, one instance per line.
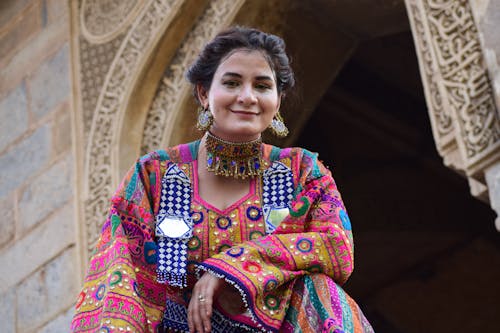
x=131, y=89
x=114, y=104
x=460, y=99
x=132, y=97
x=138, y=39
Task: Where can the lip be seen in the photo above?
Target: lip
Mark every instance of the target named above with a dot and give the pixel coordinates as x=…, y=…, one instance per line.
x=249, y=113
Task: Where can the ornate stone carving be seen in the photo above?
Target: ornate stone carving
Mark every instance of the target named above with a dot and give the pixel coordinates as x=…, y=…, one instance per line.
x=95, y=61
x=103, y=20
x=458, y=91
x=150, y=23
x=174, y=86
x=441, y=120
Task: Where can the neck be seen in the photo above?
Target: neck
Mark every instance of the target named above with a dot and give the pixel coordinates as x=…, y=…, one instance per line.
x=234, y=140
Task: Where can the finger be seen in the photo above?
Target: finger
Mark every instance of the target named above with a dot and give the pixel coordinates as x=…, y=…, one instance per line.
x=198, y=312
x=207, y=308
x=209, y=301
x=193, y=314
x=190, y=318
x=197, y=321
x=205, y=318
x=195, y=307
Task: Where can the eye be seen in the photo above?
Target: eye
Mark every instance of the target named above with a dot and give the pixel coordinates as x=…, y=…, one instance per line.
x=231, y=83
x=263, y=86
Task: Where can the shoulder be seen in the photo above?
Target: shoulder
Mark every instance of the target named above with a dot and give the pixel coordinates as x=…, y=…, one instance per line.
x=182, y=153
x=304, y=163
x=148, y=170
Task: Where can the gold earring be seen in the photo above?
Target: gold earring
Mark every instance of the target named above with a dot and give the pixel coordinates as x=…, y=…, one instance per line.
x=205, y=119
x=278, y=126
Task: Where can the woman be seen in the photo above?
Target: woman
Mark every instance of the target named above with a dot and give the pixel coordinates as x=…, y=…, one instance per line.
x=226, y=234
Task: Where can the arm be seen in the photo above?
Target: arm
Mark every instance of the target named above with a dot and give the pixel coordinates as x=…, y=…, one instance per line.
x=120, y=289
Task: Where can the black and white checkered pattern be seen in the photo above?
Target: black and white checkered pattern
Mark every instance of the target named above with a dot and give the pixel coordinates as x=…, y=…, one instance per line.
x=175, y=192
x=278, y=189
x=175, y=203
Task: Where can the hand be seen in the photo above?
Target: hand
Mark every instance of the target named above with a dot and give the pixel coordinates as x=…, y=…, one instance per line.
x=201, y=303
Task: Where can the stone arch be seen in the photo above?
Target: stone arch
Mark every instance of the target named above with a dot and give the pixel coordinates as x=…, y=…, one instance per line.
x=132, y=56
x=119, y=118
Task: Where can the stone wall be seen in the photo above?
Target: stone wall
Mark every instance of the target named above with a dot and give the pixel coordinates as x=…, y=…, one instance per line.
x=38, y=258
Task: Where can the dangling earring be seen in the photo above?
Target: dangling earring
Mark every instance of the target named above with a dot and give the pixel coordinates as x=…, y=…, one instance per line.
x=205, y=119
x=278, y=126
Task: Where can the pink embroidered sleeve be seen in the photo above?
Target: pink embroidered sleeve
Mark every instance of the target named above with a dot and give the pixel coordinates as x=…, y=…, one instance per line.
x=120, y=291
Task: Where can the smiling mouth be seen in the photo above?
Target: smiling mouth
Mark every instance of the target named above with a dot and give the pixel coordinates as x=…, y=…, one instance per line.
x=245, y=112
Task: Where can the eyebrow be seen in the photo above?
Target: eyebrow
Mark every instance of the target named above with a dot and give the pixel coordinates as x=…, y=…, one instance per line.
x=260, y=77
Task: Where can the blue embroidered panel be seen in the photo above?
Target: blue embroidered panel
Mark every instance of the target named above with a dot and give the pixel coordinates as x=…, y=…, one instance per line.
x=277, y=194
x=174, y=227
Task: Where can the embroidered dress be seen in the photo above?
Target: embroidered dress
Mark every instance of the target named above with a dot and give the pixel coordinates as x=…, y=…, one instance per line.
x=286, y=247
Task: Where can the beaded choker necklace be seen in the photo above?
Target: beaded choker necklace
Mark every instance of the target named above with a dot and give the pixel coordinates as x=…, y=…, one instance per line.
x=233, y=159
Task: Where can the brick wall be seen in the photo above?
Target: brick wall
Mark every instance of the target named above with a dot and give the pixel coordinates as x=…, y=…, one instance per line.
x=38, y=280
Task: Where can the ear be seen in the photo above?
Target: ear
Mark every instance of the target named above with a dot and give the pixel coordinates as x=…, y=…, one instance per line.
x=202, y=94
x=280, y=97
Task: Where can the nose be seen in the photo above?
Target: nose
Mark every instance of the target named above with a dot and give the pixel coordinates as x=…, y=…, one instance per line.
x=246, y=95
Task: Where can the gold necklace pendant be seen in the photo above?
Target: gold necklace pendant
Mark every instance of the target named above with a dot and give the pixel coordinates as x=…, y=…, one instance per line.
x=234, y=159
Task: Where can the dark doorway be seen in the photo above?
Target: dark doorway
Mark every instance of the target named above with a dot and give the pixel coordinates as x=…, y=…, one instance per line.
x=426, y=250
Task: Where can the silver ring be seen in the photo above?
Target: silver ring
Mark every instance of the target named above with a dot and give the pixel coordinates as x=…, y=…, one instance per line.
x=201, y=298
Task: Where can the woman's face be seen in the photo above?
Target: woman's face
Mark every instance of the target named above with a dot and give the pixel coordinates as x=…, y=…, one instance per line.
x=243, y=96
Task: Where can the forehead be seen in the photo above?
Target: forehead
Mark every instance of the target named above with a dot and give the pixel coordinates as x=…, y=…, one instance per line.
x=247, y=62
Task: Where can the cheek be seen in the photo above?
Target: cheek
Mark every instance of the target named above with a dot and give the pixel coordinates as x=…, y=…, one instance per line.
x=220, y=98
x=272, y=105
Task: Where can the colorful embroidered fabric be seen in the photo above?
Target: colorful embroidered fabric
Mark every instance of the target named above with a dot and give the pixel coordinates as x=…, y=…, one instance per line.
x=319, y=305
x=121, y=291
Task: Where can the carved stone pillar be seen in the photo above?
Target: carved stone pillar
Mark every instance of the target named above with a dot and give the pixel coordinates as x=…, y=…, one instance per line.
x=460, y=99
x=487, y=20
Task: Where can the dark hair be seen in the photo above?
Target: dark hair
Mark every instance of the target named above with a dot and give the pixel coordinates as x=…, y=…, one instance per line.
x=203, y=69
